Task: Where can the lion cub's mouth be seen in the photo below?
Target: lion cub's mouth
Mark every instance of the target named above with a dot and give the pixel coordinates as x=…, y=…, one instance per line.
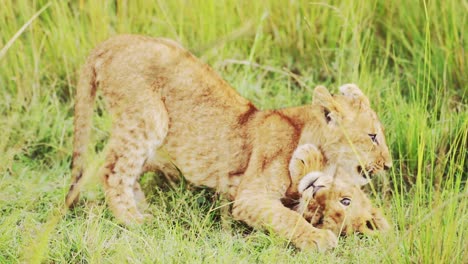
x=319, y=222
x=365, y=173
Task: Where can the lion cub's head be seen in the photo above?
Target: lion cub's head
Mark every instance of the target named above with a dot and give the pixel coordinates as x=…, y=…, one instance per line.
x=329, y=202
x=350, y=132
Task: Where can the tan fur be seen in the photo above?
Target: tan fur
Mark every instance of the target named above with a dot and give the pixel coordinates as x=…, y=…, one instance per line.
x=322, y=207
x=172, y=112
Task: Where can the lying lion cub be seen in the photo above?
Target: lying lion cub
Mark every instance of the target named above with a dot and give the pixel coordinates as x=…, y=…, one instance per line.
x=173, y=113
x=329, y=202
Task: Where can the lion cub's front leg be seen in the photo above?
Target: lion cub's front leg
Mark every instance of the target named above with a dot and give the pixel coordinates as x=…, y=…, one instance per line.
x=260, y=210
x=260, y=206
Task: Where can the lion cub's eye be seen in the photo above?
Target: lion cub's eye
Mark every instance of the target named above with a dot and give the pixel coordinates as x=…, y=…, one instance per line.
x=345, y=201
x=373, y=137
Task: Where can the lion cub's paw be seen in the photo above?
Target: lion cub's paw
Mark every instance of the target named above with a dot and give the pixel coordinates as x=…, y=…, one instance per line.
x=320, y=240
x=134, y=219
x=325, y=239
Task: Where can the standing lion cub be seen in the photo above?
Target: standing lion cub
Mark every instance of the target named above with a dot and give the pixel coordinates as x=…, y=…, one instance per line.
x=171, y=112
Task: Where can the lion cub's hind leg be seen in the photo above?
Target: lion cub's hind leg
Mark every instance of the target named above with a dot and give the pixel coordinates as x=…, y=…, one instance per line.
x=139, y=196
x=134, y=138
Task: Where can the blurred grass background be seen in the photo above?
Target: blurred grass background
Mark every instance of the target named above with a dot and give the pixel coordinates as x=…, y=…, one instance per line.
x=409, y=57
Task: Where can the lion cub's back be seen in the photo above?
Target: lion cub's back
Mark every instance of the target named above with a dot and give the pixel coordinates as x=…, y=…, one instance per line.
x=140, y=67
x=131, y=65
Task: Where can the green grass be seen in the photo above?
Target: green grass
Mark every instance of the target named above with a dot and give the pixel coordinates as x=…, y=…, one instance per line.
x=408, y=56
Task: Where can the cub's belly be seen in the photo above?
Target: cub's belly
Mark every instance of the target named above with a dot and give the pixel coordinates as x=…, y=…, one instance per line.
x=215, y=165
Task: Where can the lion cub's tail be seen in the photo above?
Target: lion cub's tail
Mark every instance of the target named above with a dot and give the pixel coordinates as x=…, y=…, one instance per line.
x=84, y=105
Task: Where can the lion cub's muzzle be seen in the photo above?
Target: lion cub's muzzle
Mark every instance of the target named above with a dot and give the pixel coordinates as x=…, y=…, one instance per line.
x=372, y=169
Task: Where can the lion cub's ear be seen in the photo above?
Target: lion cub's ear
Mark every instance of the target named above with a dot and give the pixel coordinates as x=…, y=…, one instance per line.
x=353, y=92
x=379, y=220
x=322, y=96
x=331, y=110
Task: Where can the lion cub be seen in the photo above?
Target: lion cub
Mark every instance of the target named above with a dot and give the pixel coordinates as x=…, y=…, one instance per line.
x=172, y=113
x=327, y=199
